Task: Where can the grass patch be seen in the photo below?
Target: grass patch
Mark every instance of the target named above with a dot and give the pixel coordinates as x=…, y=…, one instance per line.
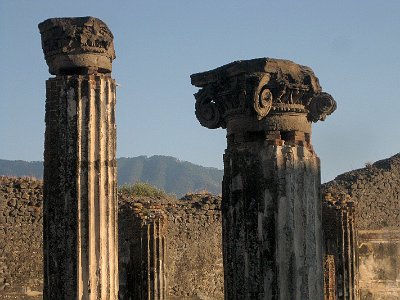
x=142, y=189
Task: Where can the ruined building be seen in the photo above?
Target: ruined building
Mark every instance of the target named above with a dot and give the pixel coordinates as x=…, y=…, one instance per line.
x=277, y=235
x=364, y=267
x=167, y=247
x=362, y=233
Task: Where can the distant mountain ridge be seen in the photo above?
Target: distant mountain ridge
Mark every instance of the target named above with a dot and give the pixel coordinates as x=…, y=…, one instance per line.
x=165, y=172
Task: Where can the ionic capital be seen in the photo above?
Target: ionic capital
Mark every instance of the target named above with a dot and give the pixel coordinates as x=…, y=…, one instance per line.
x=259, y=89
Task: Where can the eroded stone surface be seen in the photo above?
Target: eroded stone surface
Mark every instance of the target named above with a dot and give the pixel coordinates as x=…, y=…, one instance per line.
x=250, y=90
x=193, y=241
x=21, y=237
x=375, y=192
x=80, y=237
x=80, y=189
x=77, y=45
x=271, y=211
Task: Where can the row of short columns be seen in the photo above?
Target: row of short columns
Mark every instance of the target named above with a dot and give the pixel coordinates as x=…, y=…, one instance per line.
x=272, y=242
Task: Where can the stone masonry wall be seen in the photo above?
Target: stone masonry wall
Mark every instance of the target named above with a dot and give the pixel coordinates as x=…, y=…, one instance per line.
x=194, y=251
x=375, y=192
x=21, y=231
x=194, y=255
x=195, y=269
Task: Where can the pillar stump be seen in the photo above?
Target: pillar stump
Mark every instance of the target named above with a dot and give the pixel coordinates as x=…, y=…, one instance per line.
x=271, y=207
x=148, y=254
x=341, y=274
x=80, y=188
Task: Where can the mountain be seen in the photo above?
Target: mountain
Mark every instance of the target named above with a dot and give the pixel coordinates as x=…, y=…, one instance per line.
x=165, y=172
x=20, y=168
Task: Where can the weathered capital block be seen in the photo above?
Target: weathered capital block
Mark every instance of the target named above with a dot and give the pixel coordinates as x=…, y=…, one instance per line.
x=80, y=187
x=77, y=45
x=272, y=237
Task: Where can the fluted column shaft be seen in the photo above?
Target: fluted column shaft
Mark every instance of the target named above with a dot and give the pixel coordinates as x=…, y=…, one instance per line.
x=80, y=189
x=349, y=248
x=148, y=280
x=272, y=241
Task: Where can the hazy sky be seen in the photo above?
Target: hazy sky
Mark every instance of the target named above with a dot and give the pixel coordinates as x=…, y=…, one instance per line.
x=352, y=46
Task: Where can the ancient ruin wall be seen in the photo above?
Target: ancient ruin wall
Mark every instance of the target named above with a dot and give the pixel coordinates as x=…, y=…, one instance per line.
x=21, y=236
x=195, y=250
x=375, y=192
x=194, y=256
x=194, y=236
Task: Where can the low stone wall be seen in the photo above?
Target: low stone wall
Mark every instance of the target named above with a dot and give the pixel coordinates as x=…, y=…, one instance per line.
x=375, y=191
x=194, y=267
x=21, y=230
x=193, y=259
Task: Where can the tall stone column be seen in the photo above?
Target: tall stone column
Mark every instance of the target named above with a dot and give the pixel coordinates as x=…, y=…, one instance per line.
x=80, y=188
x=271, y=207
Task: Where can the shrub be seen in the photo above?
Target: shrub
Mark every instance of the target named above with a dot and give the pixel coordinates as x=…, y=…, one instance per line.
x=142, y=189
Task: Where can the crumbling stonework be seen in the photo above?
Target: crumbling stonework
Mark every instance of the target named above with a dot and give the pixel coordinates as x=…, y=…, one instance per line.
x=340, y=240
x=21, y=236
x=271, y=209
x=193, y=268
x=144, y=252
x=80, y=188
x=77, y=46
x=375, y=194
x=193, y=251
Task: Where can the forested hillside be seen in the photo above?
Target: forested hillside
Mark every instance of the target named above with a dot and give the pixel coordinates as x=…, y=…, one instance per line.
x=165, y=172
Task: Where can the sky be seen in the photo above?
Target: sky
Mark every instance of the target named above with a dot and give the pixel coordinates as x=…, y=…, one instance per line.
x=352, y=46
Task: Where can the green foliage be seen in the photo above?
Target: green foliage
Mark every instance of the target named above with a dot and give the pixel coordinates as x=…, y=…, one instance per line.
x=142, y=189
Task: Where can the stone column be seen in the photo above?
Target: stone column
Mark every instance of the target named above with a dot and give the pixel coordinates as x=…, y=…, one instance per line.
x=147, y=280
x=348, y=249
x=340, y=246
x=80, y=188
x=271, y=207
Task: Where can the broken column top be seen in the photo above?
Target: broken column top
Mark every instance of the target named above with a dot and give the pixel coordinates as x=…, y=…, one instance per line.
x=267, y=92
x=81, y=45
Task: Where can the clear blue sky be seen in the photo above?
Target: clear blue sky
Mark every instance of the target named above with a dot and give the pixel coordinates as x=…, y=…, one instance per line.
x=352, y=46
